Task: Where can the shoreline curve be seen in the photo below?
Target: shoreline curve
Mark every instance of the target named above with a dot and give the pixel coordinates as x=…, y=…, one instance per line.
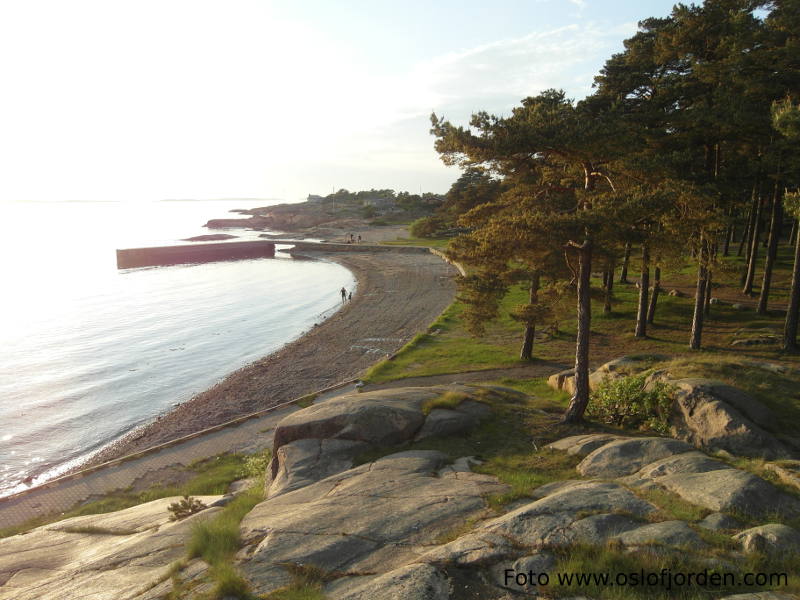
x=398, y=294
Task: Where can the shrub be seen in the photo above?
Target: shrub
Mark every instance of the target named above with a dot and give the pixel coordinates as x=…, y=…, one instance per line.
x=425, y=227
x=255, y=465
x=185, y=508
x=626, y=402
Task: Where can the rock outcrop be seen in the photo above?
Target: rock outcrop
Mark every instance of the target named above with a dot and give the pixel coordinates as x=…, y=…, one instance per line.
x=708, y=414
x=372, y=518
x=773, y=538
x=625, y=456
x=389, y=546
x=416, y=524
x=323, y=439
x=712, y=415
x=613, y=369
x=674, y=466
x=113, y=556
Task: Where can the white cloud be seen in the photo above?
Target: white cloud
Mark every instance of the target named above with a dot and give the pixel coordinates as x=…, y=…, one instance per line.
x=492, y=77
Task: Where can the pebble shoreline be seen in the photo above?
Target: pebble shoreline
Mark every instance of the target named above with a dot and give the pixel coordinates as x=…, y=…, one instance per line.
x=397, y=296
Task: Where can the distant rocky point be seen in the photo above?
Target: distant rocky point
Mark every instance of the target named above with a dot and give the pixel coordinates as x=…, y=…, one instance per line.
x=211, y=237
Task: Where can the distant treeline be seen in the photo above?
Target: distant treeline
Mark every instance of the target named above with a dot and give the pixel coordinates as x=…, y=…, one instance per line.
x=402, y=201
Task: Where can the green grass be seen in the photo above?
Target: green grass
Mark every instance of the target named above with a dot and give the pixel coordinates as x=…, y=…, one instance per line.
x=616, y=561
x=524, y=471
x=719, y=540
x=446, y=348
x=448, y=400
x=415, y=241
x=228, y=583
x=511, y=442
x=454, y=350
x=672, y=506
x=307, y=584
x=542, y=395
x=93, y=530
x=255, y=465
x=464, y=527
x=306, y=400
x=212, y=477
x=217, y=540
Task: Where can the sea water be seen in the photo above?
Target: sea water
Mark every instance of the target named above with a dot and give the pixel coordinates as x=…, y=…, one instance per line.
x=89, y=352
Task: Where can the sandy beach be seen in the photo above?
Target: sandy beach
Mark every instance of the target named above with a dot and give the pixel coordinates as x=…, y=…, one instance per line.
x=398, y=295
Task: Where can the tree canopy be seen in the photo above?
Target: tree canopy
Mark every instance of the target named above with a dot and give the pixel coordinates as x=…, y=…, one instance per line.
x=690, y=135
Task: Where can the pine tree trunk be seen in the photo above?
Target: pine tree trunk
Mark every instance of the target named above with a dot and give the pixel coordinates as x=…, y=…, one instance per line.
x=644, y=288
x=793, y=232
x=752, y=255
x=790, y=325
x=609, y=288
x=745, y=236
x=699, y=300
x=651, y=310
x=623, y=275
x=775, y=222
x=726, y=245
x=707, y=296
x=526, y=353
x=580, y=400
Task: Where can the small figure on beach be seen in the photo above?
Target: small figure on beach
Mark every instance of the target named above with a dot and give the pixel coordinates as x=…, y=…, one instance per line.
x=359, y=238
x=344, y=294
x=352, y=238
x=349, y=296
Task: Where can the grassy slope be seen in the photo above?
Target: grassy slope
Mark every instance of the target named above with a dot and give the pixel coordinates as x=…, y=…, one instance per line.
x=448, y=348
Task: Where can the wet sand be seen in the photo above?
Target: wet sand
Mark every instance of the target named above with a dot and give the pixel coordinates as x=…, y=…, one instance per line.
x=398, y=295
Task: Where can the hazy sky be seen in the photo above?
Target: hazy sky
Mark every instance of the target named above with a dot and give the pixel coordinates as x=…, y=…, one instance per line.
x=144, y=100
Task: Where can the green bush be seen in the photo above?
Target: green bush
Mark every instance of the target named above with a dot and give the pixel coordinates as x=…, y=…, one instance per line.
x=425, y=227
x=626, y=403
x=255, y=465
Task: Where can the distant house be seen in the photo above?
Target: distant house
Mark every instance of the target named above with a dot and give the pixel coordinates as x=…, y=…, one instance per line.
x=382, y=204
x=315, y=199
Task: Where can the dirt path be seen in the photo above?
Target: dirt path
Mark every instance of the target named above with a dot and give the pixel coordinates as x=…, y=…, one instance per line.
x=398, y=295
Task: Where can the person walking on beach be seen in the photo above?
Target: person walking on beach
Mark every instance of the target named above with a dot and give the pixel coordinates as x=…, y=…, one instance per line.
x=344, y=294
x=349, y=296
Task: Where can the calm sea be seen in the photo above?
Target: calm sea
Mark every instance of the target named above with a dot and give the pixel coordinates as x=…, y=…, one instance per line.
x=89, y=352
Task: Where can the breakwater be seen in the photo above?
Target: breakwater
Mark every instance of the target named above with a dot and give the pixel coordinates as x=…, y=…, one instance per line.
x=129, y=258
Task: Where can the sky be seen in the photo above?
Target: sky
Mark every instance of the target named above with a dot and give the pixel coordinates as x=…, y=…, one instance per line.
x=142, y=100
